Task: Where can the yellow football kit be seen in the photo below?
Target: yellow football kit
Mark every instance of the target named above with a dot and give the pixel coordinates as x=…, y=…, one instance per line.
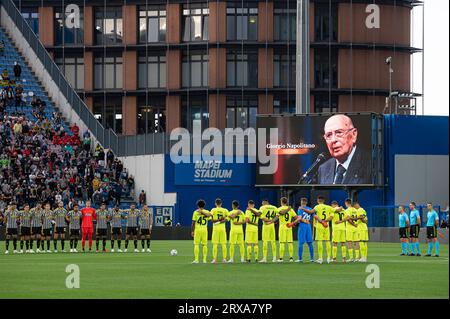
x=251, y=234
x=268, y=231
x=200, y=234
x=322, y=233
x=363, y=231
x=219, y=234
x=284, y=232
x=236, y=232
x=338, y=233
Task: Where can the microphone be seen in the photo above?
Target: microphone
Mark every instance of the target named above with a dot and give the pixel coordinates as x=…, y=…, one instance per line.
x=313, y=168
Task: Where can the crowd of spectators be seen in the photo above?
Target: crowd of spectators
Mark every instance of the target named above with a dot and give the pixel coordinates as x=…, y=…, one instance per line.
x=40, y=161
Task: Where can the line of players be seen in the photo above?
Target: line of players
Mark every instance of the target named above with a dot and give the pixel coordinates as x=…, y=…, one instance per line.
x=349, y=230
x=409, y=229
x=38, y=224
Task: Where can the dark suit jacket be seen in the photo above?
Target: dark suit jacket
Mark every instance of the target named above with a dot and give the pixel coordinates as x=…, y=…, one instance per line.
x=358, y=171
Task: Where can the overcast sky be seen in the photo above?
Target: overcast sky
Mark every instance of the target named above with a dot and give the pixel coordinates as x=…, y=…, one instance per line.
x=436, y=56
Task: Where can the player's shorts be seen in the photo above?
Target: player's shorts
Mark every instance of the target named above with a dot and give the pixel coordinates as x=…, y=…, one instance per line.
x=60, y=230
x=285, y=235
x=116, y=230
x=363, y=234
x=11, y=231
x=339, y=236
x=132, y=231
x=236, y=237
x=145, y=232
x=25, y=231
x=87, y=230
x=47, y=231
x=414, y=231
x=268, y=233
x=200, y=236
x=304, y=233
x=431, y=232
x=36, y=230
x=352, y=234
x=251, y=237
x=219, y=236
x=322, y=233
x=403, y=232
x=74, y=232
x=102, y=232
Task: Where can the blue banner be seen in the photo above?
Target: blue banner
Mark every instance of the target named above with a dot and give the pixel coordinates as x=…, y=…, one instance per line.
x=213, y=173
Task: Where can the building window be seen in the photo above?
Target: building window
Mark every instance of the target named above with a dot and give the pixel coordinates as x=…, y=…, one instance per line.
x=326, y=20
x=108, y=25
x=194, y=108
x=31, y=15
x=284, y=70
x=285, y=24
x=325, y=103
x=195, y=26
x=325, y=68
x=151, y=115
x=108, y=72
x=284, y=103
x=108, y=111
x=73, y=69
x=242, y=21
x=65, y=35
x=241, y=111
x=195, y=69
x=242, y=68
x=152, y=71
x=152, y=24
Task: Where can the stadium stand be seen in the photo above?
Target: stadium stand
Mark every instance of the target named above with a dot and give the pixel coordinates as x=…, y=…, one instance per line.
x=43, y=158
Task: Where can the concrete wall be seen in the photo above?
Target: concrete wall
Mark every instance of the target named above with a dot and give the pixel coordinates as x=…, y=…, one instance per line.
x=148, y=173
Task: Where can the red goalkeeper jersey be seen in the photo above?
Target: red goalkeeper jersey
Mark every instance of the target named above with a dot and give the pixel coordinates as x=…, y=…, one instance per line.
x=88, y=216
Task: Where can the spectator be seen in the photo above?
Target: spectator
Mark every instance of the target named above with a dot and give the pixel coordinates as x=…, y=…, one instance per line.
x=17, y=70
x=5, y=75
x=142, y=198
x=2, y=47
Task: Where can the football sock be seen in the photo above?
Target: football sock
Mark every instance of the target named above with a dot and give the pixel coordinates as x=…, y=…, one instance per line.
x=274, y=249
x=300, y=251
x=232, y=251
x=249, y=252
x=328, y=247
x=48, y=244
x=214, y=251
x=97, y=243
x=7, y=244
x=42, y=244
x=265, y=248
x=205, y=252
x=311, y=251
x=15, y=243
x=90, y=241
x=418, y=247
x=71, y=243
x=55, y=244
x=62, y=243
x=75, y=243
x=412, y=248
x=436, y=247
x=281, y=251
x=148, y=243
x=21, y=244
x=135, y=244
x=196, y=252
x=224, y=251
x=403, y=247
x=143, y=243
x=31, y=244
x=407, y=247
x=350, y=253
x=430, y=248
x=119, y=243
x=242, y=250
x=126, y=243
x=320, y=249
x=357, y=253
x=291, y=250
x=112, y=244
x=104, y=244
x=256, y=251
x=27, y=244
x=334, y=251
x=344, y=251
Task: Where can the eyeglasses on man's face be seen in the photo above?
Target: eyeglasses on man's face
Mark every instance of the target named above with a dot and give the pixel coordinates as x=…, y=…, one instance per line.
x=338, y=133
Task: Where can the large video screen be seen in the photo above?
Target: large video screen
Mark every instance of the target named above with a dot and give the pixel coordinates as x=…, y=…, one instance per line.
x=325, y=150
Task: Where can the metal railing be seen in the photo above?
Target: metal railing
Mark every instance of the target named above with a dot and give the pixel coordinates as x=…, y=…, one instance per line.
x=121, y=145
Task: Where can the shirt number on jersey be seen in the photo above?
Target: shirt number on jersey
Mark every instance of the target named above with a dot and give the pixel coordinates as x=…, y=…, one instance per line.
x=201, y=221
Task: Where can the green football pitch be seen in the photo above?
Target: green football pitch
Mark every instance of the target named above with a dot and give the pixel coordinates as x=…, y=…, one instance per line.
x=159, y=275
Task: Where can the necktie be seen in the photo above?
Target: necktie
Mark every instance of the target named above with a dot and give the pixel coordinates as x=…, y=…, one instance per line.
x=339, y=174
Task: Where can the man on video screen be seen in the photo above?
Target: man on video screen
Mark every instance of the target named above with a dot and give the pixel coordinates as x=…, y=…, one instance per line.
x=349, y=164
